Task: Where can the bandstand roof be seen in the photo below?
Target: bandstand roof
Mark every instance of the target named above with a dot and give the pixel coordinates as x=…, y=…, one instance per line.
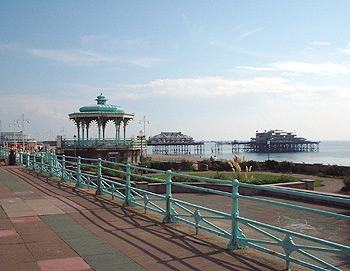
x=101, y=110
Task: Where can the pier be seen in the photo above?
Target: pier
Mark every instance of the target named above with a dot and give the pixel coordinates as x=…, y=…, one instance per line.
x=273, y=141
x=175, y=143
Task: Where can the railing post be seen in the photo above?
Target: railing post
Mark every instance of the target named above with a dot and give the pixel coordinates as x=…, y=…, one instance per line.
x=33, y=161
x=51, y=163
x=63, y=168
x=78, y=182
x=41, y=163
x=169, y=212
x=27, y=160
x=128, y=197
x=99, y=177
x=237, y=235
x=20, y=157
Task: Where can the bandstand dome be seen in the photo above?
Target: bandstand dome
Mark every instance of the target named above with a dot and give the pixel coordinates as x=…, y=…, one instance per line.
x=101, y=113
x=101, y=107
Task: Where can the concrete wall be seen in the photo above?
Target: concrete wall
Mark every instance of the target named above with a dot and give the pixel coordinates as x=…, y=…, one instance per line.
x=123, y=156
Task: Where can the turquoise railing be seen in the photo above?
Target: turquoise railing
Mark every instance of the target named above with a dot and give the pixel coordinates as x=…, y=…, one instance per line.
x=291, y=246
x=88, y=143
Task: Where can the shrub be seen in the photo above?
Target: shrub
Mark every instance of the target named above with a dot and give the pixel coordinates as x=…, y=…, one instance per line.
x=346, y=186
x=333, y=170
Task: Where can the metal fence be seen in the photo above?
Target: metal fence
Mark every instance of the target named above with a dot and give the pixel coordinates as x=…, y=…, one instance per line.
x=293, y=247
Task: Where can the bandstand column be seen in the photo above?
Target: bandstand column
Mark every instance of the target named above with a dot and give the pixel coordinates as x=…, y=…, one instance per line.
x=99, y=129
x=78, y=130
x=124, y=128
x=87, y=131
x=82, y=131
x=117, y=128
x=118, y=132
x=103, y=131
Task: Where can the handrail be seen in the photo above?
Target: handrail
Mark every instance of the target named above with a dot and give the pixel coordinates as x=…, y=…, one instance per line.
x=288, y=248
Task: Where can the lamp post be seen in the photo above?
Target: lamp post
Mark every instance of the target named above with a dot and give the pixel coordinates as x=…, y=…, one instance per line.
x=144, y=121
x=21, y=123
x=141, y=136
x=268, y=150
x=13, y=125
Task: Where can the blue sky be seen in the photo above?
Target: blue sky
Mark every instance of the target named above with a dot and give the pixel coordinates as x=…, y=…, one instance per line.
x=211, y=69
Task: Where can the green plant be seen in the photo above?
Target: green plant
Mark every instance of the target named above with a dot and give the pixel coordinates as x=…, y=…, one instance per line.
x=218, y=175
x=236, y=168
x=318, y=183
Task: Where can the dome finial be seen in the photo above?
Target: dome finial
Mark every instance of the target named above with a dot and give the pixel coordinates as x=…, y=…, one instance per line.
x=101, y=99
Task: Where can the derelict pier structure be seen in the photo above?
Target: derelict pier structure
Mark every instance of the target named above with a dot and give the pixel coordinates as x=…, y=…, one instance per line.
x=273, y=141
x=175, y=143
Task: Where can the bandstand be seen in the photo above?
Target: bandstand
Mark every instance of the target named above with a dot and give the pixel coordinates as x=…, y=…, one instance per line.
x=118, y=148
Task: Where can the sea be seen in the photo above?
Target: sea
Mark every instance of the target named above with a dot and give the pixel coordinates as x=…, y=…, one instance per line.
x=330, y=153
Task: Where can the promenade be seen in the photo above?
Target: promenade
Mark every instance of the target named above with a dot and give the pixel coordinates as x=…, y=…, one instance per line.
x=46, y=226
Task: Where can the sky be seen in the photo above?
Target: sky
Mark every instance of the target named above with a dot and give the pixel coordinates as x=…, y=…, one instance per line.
x=215, y=70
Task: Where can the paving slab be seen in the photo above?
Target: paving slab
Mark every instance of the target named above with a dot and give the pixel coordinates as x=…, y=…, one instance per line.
x=90, y=245
x=43, y=207
x=50, y=250
x=11, y=182
x=87, y=245
x=16, y=207
x=12, y=253
x=25, y=219
x=65, y=264
x=19, y=266
x=112, y=262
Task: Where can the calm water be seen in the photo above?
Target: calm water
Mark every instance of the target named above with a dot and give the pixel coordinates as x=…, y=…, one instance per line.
x=331, y=152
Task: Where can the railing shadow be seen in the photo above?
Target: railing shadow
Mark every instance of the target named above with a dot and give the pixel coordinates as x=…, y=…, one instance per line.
x=154, y=227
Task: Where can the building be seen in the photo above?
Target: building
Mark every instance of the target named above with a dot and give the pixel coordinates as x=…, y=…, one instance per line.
x=270, y=142
x=175, y=143
x=16, y=140
x=280, y=141
x=119, y=148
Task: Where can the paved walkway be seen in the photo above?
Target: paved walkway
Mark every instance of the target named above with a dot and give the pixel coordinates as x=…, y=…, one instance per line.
x=44, y=226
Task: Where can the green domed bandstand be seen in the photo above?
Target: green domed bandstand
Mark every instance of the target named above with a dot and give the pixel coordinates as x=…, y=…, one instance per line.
x=101, y=113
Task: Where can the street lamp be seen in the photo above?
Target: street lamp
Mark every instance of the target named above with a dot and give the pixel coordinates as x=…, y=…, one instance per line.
x=13, y=125
x=144, y=122
x=21, y=123
x=141, y=137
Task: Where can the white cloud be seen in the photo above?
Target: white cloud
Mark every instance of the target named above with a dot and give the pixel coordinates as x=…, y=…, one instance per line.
x=145, y=62
x=219, y=86
x=77, y=57
x=83, y=57
x=320, y=43
x=112, y=43
x=248, y=33
x=86, y=57
x=345, y=50
x=326, y=68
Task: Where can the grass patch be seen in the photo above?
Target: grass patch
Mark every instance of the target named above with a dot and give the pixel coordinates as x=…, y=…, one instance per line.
x=318, y=183
x=253, y=178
